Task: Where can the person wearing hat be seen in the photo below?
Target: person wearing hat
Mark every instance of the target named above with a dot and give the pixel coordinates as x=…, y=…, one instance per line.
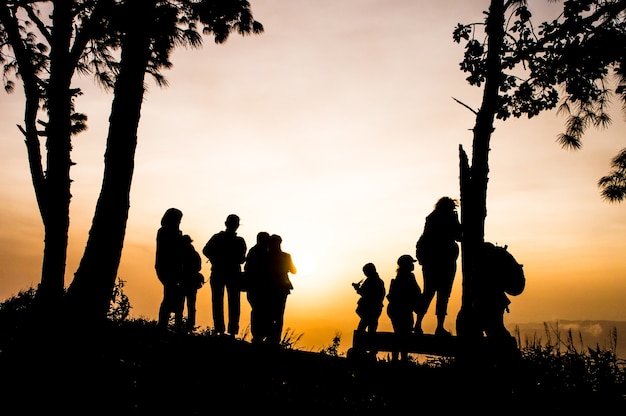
x=404, y=299
x=227, y=252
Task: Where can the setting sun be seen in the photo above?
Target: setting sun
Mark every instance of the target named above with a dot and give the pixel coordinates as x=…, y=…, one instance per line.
x=341, y=143
x=305, y=263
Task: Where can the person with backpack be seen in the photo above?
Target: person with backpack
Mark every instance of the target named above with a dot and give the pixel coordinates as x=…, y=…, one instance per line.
x=437, y=252
x=498, y=274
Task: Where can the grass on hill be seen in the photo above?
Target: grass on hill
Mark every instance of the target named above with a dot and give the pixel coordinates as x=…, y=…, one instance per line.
x=130, y=367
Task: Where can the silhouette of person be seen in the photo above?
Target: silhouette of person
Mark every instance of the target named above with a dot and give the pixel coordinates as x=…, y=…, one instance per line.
x=370, y=304
x=404, y=299
x=280, y=265
x=491, y=302
x=191, y=280
x=437, y=252
x=227, y=252
x=169, y=268
x=257, y=275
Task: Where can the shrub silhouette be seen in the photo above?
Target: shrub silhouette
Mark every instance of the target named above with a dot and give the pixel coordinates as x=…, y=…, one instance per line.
x=130, y=367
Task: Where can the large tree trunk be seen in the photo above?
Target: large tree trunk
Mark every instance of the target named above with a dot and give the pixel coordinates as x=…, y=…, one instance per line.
x=89, y=295
x=474, y=179
x=55, y=199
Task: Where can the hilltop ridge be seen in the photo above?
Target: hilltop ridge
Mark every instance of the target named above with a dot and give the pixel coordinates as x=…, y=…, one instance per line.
x=132, y=368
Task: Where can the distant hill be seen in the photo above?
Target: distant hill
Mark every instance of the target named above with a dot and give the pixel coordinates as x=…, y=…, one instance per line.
x=585, y=334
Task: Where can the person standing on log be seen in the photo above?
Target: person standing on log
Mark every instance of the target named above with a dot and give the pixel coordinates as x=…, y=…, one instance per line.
x=437, y=252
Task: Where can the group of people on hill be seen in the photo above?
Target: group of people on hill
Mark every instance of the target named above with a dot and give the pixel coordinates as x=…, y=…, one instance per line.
x=263, y=273
x=437, y=251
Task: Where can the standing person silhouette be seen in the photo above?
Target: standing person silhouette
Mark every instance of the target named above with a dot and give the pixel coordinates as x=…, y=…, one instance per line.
x=370, y=304
x=191, y=280
x=437, y=251
x=257, y=270
x=280, y=265
x=227, y=252
x=404, y=299
x=169, y=268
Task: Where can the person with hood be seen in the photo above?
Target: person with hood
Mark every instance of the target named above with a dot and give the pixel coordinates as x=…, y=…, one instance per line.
x=404, y=300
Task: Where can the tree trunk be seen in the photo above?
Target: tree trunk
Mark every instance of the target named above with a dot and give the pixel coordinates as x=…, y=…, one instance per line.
x=89, y=295
x=474, y=179
x=55, y=198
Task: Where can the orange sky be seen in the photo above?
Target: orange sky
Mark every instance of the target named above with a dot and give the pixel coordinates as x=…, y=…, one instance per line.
x=336, y=129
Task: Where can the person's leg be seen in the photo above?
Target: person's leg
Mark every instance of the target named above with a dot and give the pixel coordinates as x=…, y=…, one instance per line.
x=361, y=326
x=280, y=316
x=427, y=297
x=364, y=321
x=191, y=310
x=217, y=300
x=372, y=327
x=164, y=309
x=444, y=289
x=254, y=329
x=234, y=308
x=262, y=314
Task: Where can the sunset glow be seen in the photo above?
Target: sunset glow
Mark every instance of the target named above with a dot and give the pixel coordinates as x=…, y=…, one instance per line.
x=337, y=130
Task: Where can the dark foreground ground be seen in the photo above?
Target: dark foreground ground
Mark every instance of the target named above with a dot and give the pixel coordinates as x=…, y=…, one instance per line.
x=132, y=369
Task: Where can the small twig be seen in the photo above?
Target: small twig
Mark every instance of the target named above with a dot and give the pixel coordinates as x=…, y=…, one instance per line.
x=466, y=106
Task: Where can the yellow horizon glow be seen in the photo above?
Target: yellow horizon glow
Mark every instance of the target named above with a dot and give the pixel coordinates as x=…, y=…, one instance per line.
x=340, y=140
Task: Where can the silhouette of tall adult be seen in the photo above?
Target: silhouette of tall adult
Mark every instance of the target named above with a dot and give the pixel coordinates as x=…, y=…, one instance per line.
x=169, y=268
x=227, y=252
x=280, y=265
x=404, y=299
x=437, y=251
x=191, y=279
x=257, y=276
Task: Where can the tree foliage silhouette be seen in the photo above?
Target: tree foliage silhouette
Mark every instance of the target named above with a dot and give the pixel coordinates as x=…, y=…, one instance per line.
x=45, y=44
x=614, y=184
x=567, y=63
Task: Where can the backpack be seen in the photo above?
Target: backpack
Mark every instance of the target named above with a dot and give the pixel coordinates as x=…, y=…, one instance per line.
x=509, y=271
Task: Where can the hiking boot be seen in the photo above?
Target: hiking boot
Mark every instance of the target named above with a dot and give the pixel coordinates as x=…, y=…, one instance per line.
x=418, y=331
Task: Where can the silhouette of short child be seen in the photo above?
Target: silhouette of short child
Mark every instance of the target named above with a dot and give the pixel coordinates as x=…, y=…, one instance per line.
x=370, y=304
x=191, y=279
x=404, y=301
